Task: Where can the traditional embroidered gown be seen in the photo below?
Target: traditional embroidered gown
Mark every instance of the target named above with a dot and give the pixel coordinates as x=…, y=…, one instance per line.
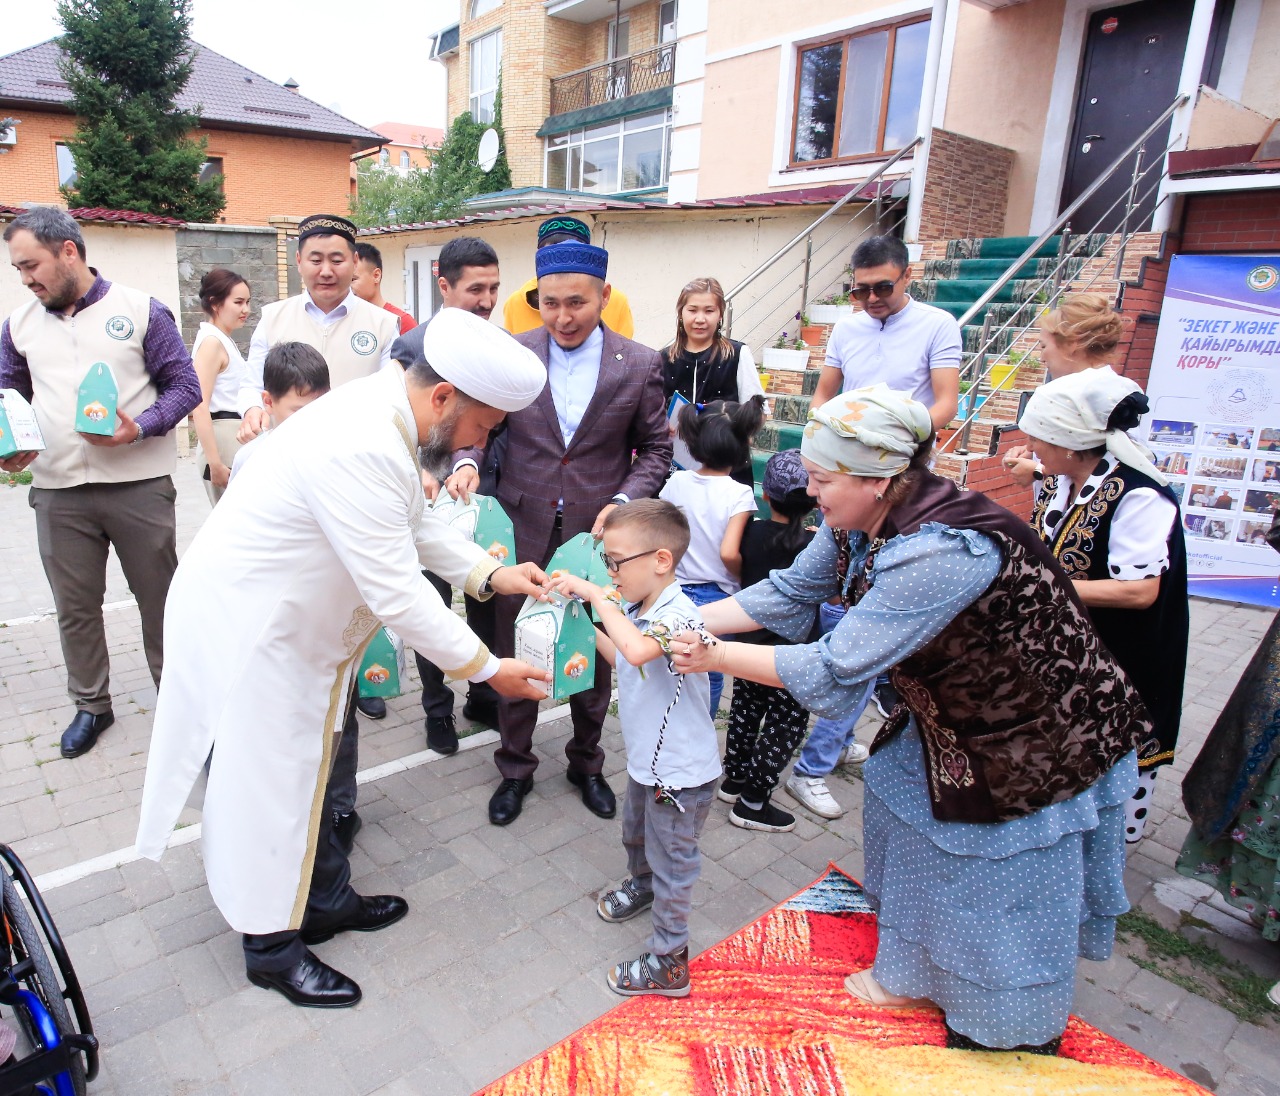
x=322, y=536
x=985, y=918
x=1121, y=524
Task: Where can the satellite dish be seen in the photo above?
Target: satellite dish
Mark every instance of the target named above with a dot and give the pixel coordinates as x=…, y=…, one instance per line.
x=488, y=153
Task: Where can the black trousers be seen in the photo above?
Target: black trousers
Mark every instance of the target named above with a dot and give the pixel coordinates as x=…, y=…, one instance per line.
x=766, y=724
x=330, y=899
x=437, y=697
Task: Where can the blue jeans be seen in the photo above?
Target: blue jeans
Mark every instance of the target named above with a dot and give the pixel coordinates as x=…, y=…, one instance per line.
x=704, y=593
x=829, y=737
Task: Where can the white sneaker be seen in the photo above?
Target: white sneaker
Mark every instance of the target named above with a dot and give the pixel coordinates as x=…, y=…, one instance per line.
x=812, y=792
x=854, y=754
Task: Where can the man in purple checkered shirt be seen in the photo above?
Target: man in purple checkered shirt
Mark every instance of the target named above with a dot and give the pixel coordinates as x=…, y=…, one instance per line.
x=91, y=491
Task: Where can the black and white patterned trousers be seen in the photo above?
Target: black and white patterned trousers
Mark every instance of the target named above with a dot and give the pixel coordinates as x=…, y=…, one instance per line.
x=766, y=724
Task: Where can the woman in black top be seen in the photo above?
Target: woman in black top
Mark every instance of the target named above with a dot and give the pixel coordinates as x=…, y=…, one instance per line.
x=703, y=364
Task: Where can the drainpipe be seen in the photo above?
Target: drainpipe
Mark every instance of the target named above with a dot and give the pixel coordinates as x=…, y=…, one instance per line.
x=1188, y=84
x=928, y=98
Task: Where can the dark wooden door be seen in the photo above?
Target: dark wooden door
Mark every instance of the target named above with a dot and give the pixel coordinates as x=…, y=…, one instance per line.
x=1132, y=60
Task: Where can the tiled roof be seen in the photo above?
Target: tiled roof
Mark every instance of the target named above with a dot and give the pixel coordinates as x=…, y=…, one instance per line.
x=814, y=195
x=110, y=216
x=226, y=94
x=404, y=133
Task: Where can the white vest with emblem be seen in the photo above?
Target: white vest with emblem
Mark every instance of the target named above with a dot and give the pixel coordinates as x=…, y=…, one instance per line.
x=352, y=346
x=60, y=350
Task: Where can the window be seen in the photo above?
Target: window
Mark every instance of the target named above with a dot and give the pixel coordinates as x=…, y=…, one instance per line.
x=486, y=64
x=666, y=22
x=404, y=158
x=483, y=7
x=211, y=169
x=619, y=37
x=66, y=166
x=859, y=96
x=384, y=158
x=613, y=158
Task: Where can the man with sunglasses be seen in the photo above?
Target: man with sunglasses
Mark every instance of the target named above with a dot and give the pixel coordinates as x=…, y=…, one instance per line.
x=910, y=346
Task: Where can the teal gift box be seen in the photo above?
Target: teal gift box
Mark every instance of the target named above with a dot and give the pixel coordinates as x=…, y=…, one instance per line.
x=382, y=671
x=484, y=521
x=558, y=636
x=19, y=429
x=96, y=401
x=581, y=557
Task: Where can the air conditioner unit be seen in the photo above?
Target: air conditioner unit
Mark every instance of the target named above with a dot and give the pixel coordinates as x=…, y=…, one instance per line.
x=9, y=135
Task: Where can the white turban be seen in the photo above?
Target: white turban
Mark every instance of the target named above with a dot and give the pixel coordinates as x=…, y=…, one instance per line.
x=872, y=431
x=1085, y=410
x=482, y=361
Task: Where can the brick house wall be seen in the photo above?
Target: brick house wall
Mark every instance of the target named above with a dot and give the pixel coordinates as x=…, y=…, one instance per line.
x=966, y=190
x=1248, y=220
x=264, y=174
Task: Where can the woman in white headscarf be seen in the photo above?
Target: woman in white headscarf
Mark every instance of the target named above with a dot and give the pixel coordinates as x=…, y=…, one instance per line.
x=993, y=814
x=1111, y=520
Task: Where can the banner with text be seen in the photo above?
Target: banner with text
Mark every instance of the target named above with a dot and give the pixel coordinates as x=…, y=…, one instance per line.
x=1215, y=418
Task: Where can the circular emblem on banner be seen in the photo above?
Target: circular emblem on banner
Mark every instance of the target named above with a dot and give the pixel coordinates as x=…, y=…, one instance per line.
x=1109, y=25
x=120, y=327
x=364, y=342
x=1239, y=395
x=1262, y=278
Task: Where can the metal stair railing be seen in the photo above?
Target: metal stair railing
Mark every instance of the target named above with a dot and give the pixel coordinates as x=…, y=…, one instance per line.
x=1071, y=248
x=805, y=265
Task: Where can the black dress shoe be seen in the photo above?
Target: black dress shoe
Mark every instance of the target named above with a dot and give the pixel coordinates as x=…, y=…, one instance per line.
x=83, y=732
x=596, y=793
x=376, y=911
x=482, y=711
x=310, y=983
x=442, y=734
x=345, y=828
x=371, y=707
x=507, y=802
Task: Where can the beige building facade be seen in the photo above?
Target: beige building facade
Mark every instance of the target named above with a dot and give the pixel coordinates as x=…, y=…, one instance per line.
x=698, y=99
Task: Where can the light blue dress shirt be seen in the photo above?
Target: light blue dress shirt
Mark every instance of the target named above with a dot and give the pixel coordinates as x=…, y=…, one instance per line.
x=572, y=375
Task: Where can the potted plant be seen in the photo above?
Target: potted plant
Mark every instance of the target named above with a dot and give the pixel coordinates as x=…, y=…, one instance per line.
x=1003, y=373
x=787, y=354
x=833, y=306
x=812, y=333
x=969, y=401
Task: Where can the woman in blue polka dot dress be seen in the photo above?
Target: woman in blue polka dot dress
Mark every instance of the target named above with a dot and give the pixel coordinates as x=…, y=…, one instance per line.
x=994, y=807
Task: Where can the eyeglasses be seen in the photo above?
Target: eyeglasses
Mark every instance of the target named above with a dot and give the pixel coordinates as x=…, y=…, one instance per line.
x=614, y=565
x=880, y=289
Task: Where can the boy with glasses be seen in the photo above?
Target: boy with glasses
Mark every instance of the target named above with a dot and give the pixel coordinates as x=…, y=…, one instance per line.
x=910, y=346
x=673, y=757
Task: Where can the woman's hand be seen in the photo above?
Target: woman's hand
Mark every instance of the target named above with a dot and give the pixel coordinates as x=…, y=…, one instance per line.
x=219, y=475
x=1021, y=465
x=691, y=656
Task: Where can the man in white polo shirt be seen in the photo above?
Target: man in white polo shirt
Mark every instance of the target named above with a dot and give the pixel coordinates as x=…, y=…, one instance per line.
x=910, y=346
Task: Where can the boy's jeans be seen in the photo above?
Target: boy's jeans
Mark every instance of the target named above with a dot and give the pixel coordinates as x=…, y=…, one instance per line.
x=829, y=737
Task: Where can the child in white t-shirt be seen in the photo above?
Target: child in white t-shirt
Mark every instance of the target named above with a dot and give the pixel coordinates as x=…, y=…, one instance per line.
x=293, y=374
x=716, y=505
x=673, y=757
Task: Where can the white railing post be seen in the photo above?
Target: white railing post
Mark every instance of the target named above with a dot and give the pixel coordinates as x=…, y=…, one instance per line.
x=928, y=102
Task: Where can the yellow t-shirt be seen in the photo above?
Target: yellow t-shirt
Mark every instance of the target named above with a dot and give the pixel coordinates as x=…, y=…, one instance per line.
x=518, y=317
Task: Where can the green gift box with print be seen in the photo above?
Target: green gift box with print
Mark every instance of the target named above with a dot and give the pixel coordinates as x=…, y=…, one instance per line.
x=96, y=401
x=581, y=557
x=558, y=636
x=484, y=521
x=19, y=429
x=382, y=670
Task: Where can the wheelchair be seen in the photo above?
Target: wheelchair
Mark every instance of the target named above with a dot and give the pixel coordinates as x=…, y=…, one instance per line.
x=49, y=1053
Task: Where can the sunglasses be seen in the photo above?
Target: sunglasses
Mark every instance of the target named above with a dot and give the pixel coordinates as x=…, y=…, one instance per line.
x=614, y=565
x=880, y=289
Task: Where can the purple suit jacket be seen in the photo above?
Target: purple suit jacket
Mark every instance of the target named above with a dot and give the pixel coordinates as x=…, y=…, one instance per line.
x=626, y=415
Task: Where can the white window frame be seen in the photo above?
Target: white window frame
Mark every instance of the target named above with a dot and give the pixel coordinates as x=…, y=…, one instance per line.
x=60, y=150
x=579, y=139
x=483, y=7
x=477, y=94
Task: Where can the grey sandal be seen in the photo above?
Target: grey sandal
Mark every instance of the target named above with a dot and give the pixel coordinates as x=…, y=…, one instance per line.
x=624, y=902
x=660, y=975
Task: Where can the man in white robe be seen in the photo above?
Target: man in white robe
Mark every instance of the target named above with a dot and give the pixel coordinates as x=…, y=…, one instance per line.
x=324, y=536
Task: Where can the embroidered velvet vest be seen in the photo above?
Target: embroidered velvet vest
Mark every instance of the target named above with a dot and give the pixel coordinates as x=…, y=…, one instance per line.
x=1150, y=644
x=1017, y=702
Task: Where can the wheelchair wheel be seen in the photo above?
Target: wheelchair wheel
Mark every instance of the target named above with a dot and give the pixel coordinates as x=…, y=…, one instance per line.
x=31, y=968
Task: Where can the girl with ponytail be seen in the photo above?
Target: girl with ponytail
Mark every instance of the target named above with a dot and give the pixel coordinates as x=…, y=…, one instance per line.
x=716, y=505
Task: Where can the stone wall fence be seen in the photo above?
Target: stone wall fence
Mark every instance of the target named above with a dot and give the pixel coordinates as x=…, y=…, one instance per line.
x=249, y=250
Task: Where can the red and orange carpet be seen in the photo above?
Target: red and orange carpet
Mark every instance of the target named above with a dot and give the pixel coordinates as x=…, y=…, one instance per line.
x=769, y=1016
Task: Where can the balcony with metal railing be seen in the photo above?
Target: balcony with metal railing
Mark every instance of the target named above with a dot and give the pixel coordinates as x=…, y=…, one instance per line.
x=609, y=81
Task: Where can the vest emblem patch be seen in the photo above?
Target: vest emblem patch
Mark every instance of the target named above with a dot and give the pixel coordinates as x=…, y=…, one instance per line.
x=364, y=342
x=120, y=327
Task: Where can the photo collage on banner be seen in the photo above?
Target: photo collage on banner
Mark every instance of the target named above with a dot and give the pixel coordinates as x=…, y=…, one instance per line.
x=1214, y=424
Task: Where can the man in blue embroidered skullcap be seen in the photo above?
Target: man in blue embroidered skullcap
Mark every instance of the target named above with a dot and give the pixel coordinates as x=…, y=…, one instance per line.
x=568, y=462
